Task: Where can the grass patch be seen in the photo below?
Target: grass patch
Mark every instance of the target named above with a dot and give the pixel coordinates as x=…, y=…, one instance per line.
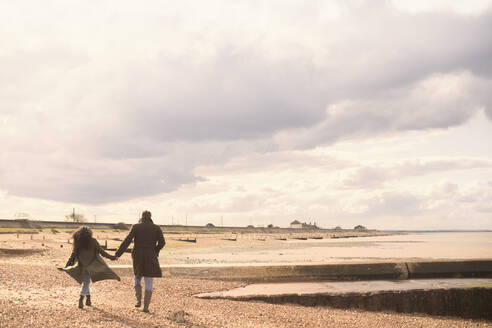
x=18, y=230
x=176, y=244
x=194, y=232
x=479, y=286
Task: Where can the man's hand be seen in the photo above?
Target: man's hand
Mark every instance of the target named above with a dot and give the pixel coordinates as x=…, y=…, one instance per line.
x=116, y=258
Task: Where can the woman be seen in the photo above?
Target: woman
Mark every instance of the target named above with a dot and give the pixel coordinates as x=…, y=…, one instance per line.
x=90, y=265
x=148, y=241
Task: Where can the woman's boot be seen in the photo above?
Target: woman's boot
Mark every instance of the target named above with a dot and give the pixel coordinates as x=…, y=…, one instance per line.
x=147, y=297
x=88, y=300
x=138, y=295
x=81, y=302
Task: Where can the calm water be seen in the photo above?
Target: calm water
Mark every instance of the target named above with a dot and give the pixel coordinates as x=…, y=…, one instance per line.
x=450, y=245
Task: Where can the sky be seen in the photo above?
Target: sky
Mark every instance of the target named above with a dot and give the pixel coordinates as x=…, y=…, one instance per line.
x=248, y=112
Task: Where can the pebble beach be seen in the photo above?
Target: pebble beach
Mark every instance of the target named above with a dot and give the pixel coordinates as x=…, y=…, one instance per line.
x=33, y=293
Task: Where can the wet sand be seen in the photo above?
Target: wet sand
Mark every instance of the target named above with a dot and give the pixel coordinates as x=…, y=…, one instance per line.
x=468, y=245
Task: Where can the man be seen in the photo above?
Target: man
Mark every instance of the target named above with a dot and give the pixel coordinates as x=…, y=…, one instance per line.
x=148, y=241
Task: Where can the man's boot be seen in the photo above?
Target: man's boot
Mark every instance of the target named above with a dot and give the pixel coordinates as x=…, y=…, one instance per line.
x=88, y=300
x=81, y=302
x=138, y=295
x=147, y=297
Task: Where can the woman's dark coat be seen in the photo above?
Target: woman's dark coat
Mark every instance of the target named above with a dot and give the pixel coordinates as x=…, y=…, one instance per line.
x=148, y=241
x=90, y=264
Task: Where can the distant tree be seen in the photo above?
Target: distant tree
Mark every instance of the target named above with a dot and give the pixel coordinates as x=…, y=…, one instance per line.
x=360, y=228
x=270, y=226
x=77, y=218
x=210, y=225
x=250, y=226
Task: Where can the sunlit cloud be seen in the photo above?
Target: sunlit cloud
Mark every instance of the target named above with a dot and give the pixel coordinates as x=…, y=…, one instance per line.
x=245, y=109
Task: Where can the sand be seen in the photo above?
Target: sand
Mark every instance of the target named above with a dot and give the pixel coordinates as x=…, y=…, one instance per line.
x=34, y=294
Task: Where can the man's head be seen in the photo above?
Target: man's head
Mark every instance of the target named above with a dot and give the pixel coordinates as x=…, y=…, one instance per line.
x=146, y=216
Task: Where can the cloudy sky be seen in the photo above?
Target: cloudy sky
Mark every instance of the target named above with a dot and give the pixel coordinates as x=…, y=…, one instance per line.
x=255, y=112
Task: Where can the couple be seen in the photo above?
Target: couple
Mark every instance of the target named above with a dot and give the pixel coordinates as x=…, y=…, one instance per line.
x=148, y=241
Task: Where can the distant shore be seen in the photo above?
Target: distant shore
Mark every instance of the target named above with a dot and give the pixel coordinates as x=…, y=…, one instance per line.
x=24, y=225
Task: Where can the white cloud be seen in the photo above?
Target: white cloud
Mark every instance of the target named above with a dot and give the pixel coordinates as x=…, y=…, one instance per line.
x=110, y=101
x=471, y=7
x=380, y=173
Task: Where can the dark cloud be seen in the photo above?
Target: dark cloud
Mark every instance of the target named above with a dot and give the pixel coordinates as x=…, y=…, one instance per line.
x=94, y=182
x=437, y=102
x=232, y=97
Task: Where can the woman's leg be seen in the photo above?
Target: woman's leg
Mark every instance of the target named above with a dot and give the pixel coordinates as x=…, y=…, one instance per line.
x=85, y=287
x=84, y=292
x=138, y=291
x=149, y=286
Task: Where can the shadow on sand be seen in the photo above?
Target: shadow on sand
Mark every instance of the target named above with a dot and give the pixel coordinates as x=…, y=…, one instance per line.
x=124, y=321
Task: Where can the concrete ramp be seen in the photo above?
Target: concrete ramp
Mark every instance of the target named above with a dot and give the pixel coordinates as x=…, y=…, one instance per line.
x=467, y=298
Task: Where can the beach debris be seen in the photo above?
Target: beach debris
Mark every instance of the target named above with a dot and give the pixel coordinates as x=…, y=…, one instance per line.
x=178, y=316
x=188, y=239
x=231, y=238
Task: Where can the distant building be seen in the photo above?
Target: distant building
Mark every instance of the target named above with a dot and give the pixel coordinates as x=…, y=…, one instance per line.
x=296, y=224
x=302, y=225
x=309, y=225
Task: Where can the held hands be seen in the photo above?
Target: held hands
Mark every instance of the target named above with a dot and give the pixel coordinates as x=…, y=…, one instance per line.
x=116, y=258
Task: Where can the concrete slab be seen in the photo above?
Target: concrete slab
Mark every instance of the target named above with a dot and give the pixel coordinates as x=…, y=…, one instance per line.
x=441, y=269
x=301, y=272
x=345, y=287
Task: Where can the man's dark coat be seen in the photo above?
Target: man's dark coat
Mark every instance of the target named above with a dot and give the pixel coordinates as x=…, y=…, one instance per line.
x=90, y=264
x=148, y=241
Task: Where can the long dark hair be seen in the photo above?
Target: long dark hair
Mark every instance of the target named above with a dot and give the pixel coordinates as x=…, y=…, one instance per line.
x=81, y=238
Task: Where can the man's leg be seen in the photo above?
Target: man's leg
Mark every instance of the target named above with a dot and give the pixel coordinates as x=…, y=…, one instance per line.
x=149, y=286
x=138, y=291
